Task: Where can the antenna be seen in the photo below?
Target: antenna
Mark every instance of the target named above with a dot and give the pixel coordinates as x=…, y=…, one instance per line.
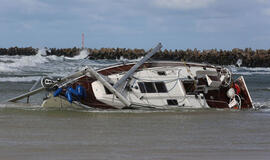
x=82, y=40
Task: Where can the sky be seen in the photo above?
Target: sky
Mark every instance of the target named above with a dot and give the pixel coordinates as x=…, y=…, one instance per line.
x=177, y=24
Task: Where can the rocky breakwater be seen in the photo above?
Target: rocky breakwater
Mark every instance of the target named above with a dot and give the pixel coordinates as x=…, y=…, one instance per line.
x=28, y=51
x=13, y=51
x=249, y=57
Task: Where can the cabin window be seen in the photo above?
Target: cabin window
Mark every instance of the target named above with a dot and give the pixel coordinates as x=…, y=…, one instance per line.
x=152, y=87
x=161, y=88
x=189, y=87
x=107, y=91
x=172, y=102
x=161, y=73
x=142, y=87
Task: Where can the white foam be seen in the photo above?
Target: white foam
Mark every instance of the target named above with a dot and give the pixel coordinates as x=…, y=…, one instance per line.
x=243, y=73
x=263, y=106
x=249, y=71
x=265, y=69
x=9, y=58
x=60, y=74
x=42, y=52
x=83, y=54
x=23, y=61
x=19, y=79
x=55, y=58
x=252, y=73
x=5, y=68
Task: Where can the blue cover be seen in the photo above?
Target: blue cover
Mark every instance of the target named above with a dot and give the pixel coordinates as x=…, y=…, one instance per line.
x=69, y=96
x=57, y=92
x=81, y=91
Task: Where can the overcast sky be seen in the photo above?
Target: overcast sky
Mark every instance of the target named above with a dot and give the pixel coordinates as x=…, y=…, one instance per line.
x=178, y=24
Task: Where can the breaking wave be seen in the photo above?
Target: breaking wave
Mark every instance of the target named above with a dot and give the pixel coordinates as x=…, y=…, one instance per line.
x=250, y=71
x=267, y=89
x=262, y=106
x=14, y=63
x=19, y=79
x=28, y=68
x=38, y=62
x=83, y=54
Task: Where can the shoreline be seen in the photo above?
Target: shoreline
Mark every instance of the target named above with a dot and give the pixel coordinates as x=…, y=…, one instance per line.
x=249, y=57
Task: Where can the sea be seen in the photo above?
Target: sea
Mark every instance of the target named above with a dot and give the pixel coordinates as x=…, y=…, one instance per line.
x=28, y=131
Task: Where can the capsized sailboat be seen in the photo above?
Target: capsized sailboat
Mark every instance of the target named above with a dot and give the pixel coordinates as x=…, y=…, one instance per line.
x=147, y=84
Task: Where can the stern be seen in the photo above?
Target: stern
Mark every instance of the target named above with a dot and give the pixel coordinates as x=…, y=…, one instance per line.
x=244, y=93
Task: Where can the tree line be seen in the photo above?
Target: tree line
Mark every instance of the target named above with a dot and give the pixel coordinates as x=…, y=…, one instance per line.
x=250, y=58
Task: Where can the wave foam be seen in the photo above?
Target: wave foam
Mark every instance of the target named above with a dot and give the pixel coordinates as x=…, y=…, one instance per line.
x=83, y=54
x=257, y=69
x=16, y=63
x=55, y=58
x=19, y=79
x=252, y=73
x=249, y=71
x=262, y=106
x=23, y=61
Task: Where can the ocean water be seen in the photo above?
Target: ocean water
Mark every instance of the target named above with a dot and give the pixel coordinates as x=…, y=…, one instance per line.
x=28, y=131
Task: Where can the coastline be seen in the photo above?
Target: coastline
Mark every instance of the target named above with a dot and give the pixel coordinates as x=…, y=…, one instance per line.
x=249, y=57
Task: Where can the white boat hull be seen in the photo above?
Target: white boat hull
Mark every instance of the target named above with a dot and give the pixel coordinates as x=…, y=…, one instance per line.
x=58, y=102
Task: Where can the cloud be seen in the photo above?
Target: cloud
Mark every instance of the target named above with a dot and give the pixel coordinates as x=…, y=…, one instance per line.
x=263, y=1
x=115, y=21
x=23, y=6
x=215, y=25
x=33, y=5
x=183, y=4
x=266, y=11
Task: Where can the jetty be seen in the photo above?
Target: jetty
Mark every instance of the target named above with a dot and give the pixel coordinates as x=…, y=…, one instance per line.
x=249, y=57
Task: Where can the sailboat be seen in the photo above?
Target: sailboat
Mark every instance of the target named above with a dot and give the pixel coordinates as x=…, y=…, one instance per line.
x=147, y=84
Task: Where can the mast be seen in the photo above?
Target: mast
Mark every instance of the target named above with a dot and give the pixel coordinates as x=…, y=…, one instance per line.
x=82, y=40
x=135, y=67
